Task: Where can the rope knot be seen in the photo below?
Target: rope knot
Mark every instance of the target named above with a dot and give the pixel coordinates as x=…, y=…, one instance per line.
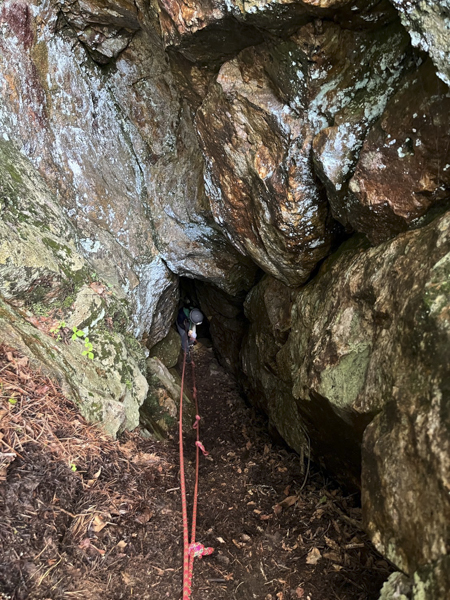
x=199, y=550
x=195, y=425
x=202, y=448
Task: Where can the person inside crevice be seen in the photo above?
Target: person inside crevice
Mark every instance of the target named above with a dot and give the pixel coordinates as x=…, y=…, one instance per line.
x=187, y=321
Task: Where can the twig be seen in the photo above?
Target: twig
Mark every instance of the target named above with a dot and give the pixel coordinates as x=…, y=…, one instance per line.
x=11, y=448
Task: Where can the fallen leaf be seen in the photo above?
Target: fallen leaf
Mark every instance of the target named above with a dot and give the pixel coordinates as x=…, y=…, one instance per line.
x=98, y=288
x=313, y=556
x=145, y=516
x=122, y=545
x=299, y=592
x=286, y=503
x=126, y=578
x=97, y=524
x=333, y=556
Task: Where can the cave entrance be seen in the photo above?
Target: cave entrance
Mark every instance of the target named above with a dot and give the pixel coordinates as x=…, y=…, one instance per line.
x=225, y=323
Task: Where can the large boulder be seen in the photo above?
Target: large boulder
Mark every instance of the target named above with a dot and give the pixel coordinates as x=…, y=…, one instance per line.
x=259, y=176
x=274, y=107
x=48, y=292
x=366, y=364
x=369, y=342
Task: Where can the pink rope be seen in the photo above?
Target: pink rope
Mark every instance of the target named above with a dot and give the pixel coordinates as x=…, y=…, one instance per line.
x=190, y=551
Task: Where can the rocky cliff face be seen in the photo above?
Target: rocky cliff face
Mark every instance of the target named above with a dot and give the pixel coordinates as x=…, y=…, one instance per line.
x=293, y=158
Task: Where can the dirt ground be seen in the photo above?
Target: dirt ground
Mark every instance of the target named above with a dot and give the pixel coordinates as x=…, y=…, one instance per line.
x=84, y=517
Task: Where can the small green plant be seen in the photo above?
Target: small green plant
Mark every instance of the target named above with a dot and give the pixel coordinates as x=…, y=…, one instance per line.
x=79, y=333
x=73, y=467
x=55, y=330
x=88, y=352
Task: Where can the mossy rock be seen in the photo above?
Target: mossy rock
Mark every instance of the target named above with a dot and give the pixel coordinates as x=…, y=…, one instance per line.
x=168, y=349
x=159, y=413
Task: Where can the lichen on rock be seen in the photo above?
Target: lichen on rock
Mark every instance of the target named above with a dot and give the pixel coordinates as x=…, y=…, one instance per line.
x=45, y=285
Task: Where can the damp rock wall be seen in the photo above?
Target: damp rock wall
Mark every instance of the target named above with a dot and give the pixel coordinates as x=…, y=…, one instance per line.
x=291, y=159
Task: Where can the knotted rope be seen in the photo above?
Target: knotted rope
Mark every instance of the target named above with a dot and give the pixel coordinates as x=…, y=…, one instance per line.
x=190, y=551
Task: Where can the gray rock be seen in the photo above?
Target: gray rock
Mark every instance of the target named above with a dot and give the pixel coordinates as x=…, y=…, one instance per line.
x=427, y=24
x=48, y=285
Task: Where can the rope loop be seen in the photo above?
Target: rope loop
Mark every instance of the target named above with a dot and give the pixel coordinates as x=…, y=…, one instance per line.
x=202, y=448
x=198, y=550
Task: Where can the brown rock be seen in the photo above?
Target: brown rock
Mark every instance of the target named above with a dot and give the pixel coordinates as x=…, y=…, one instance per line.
x=404, y=166
x=216, y=30
x=259, y=176
x=355, y=75
x=106, y=27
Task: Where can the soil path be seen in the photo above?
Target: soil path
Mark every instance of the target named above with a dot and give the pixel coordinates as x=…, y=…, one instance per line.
x=87, y=518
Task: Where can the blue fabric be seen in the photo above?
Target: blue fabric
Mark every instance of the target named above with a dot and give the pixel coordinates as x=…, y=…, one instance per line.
x=184, y=338
x=182, y=319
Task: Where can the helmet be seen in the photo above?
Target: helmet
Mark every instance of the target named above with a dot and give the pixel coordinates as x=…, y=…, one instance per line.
x=196, y=316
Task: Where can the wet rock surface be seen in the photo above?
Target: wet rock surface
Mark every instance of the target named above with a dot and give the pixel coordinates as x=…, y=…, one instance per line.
x=240, y=144
x=427, y=23
x=403, y=167
x=259, y=176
